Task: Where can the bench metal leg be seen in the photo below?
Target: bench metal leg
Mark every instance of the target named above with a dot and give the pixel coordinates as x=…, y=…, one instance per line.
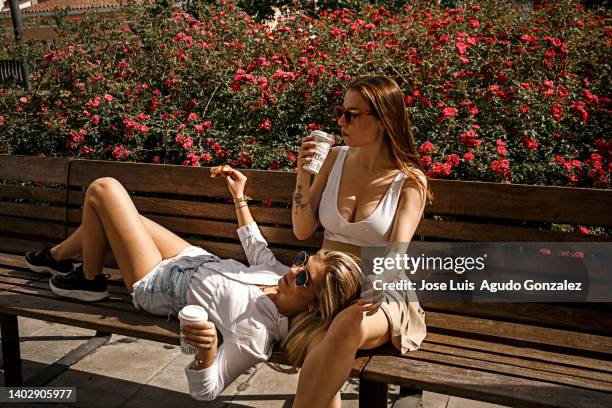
x=372, y=394
x=407, y=391
x=11, y=355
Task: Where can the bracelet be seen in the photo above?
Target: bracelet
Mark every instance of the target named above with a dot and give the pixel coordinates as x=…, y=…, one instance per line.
x=242, y=205
x=198, y=363
x=242, y=199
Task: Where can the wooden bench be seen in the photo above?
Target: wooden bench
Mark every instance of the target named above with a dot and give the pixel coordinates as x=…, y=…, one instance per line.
x=515, y=354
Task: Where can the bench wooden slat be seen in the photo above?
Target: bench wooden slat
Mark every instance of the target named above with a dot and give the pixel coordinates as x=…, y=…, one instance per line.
x=482, y=385
x=521, y=202
x=33, y=211
x=21, y=246
x=40, y=229
x=91, y=316
x=520, y=367
x=25, y=281
x=529, y=353
x=541, y=314
x=221, y=229
x=193, y=181
x=473, y=231
x=33, y=193
x=441, y=322
x=52, y=170
x=208, y=210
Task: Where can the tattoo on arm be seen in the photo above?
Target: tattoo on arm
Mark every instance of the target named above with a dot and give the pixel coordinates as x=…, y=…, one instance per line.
x=297, y=199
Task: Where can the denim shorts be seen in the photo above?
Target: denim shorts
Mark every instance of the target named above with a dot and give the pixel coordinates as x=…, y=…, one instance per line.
x=163, y=291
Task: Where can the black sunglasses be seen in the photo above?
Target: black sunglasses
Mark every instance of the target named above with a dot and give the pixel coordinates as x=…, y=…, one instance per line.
x=303, y=277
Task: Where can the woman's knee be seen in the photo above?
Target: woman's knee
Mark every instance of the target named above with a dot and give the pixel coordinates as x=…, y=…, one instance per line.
x=102, y=187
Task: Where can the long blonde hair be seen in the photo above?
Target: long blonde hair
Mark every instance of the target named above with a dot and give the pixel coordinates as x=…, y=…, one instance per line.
x=386, y=99
x=340, y=287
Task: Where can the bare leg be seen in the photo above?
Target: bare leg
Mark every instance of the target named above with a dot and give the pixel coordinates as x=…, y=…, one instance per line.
x=168, y=243
x=322, y=375
x=336, y=402
x=110, y=219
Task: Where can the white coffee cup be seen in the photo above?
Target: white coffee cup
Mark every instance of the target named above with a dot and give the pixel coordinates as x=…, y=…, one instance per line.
x=191, y=314
x=324, y=143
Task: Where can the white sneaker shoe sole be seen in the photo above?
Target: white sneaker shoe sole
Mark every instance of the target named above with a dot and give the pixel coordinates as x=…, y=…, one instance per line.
x=43, y=269
x=83, y=295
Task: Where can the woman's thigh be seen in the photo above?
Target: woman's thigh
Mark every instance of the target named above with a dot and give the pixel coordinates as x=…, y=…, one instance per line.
x=167, y=242
x=133, y=247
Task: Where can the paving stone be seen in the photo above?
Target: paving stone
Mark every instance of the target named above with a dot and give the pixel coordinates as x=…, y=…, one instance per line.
x=408, y=401
x=456, y=402
x=27, y=326
x=108, y=377
x=46, y=345
x=434, y=400
x=266, y=388
x=169, y=388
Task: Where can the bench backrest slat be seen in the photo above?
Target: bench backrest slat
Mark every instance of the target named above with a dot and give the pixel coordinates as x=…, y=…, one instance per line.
x=32, y=199
x=182, y=180
x=521, y=202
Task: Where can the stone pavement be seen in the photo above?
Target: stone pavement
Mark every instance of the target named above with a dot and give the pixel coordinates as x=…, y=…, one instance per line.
x=134, y=373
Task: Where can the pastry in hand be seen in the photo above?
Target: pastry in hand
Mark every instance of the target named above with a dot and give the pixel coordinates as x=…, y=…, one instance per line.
x=220, y=171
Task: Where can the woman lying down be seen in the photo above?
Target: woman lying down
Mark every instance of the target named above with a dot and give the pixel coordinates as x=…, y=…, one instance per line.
x=251, y=306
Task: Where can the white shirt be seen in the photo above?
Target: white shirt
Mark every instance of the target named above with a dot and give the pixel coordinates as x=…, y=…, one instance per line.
x=246, y=318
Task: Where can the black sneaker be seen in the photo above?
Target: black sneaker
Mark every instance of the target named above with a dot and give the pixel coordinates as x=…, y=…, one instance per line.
x=42, y=261
x=74, y=285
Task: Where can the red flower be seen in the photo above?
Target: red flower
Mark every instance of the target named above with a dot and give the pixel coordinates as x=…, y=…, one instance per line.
x=192, y=116
x=266, y=125
x=468, y=156
x=291, y=157
x=426, y=147
x=529, y=143
x=267, y=203
x=449, y=112
x=155, y=159
x=95, y=119
x=426, y=161
x=529, y=39
x=557, y=112
x=453, y=160
x=501, y=167
x=312, y=126
x=369, y=47
x=470, y=139
x=501, y=147
x=439, y=170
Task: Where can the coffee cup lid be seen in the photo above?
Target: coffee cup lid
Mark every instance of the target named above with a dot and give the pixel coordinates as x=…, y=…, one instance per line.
x=193, y=313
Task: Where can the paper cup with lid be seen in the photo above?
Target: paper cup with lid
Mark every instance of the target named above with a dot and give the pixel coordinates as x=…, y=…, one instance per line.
x=191, y=314
x=324, y=142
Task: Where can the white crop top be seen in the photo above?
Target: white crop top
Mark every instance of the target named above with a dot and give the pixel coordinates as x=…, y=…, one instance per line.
x=370, y=231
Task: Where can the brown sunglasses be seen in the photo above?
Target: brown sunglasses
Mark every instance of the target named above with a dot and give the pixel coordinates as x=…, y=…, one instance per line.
x=350, y=113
